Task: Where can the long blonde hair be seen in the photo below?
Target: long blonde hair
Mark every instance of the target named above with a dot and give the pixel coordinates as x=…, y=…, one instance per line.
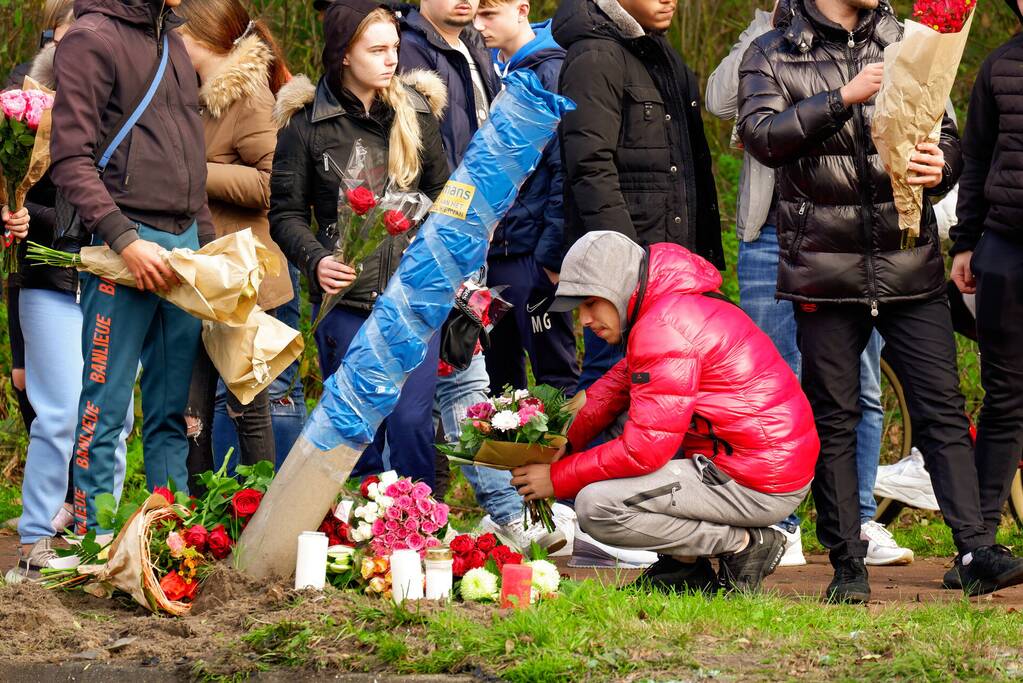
x=56, y=13
x=405, y=143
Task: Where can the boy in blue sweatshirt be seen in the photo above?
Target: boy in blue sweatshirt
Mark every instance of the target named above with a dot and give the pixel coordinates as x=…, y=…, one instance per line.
x=527, y=248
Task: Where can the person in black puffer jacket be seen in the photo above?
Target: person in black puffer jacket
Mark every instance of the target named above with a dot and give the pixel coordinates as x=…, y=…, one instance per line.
x=805, y=94
x=635, y=155
x=988, y=248
x=320, y=125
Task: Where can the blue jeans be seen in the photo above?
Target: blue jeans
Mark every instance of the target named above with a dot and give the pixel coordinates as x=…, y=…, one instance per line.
x=287, y=411
x=757, y=270
x=52, y=325
x=455, y=393
x=405, y=440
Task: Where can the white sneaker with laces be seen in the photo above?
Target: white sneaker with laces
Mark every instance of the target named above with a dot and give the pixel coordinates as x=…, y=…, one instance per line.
x=63, y=520
x=793, y=556
x=518, y=537
x=29, y=565
x=882, y=550
x=907, y=481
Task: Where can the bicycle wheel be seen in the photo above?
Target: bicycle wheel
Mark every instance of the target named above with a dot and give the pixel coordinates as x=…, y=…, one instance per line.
x=896, y=437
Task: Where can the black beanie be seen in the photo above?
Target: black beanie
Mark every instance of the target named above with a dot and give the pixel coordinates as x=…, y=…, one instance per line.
x=340, y=22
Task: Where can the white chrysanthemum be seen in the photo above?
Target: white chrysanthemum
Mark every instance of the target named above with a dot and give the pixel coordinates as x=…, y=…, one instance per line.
x=478, y=585
x=505, y=420
x=520, y=394
x=546, y=577
x=387, y=478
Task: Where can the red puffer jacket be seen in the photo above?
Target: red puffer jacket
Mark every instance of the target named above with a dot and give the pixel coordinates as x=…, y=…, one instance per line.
x=698, y=375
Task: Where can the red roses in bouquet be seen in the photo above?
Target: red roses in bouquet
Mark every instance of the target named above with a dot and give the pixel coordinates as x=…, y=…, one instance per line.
x=473, y=553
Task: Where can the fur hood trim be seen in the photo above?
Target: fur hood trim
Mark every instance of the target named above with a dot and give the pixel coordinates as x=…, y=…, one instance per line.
x=300, y=92
x=622, y=20
x=42, y=67
x=243, y=74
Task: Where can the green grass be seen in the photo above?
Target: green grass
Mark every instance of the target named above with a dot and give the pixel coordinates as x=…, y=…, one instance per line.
x=593, y=633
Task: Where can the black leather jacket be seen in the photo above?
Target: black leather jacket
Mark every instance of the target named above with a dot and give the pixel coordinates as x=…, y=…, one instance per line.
x=316, y=141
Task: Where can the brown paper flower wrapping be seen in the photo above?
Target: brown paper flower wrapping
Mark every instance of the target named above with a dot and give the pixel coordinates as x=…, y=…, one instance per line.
x=219, y=282
x=919, y=71
x=128, y=566
x=252, y=355
x=39, y=162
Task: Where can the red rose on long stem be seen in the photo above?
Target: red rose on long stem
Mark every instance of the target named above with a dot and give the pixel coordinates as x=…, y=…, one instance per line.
x=396, y=223
x=361, y=200
x=245, y=502
x=219, y=542
x=165, y=492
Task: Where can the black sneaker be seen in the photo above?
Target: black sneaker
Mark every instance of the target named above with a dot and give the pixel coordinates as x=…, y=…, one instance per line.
x=672, y=576
x=993, y=567
x=953, y=579
x=851, y=583
x=745, y=570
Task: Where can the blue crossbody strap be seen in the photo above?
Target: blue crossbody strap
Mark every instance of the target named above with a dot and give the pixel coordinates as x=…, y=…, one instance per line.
x=139, y=110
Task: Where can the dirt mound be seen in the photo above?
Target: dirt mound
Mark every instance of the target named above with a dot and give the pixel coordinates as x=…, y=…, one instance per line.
x=227, y=589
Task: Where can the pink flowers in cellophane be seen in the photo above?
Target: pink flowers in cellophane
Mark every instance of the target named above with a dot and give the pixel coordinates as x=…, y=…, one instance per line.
x=398, y=514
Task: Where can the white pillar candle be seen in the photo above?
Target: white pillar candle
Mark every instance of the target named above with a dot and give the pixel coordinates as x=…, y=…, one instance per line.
x=406, y=575
x=311, y=562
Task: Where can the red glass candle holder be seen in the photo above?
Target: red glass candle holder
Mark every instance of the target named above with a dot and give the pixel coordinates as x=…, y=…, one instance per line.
x=516, y=584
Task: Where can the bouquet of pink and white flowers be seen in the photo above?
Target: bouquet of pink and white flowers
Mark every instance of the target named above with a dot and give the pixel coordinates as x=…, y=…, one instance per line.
x=519, y=427
x=24, y=151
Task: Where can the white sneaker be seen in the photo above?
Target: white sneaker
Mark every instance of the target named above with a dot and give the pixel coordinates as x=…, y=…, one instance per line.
x=589, y=552
x=907, y=481
x=793, y=556
x=519, y=537
x=564, y=519
x=881, y=546
x=29, y=566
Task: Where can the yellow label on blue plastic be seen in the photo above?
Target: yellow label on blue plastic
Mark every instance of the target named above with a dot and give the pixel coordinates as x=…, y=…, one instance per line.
x=454, y=200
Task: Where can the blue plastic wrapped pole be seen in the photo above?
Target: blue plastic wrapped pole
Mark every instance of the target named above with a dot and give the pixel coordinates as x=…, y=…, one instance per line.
x=451, y=245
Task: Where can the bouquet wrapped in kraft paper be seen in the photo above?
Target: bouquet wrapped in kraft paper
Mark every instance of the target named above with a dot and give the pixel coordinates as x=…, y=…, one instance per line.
x=919, y=71
x=219, y=282
x=252, y=355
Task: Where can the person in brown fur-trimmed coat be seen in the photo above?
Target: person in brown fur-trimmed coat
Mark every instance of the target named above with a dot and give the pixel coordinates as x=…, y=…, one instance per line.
x=359, y=98
x=240, y=68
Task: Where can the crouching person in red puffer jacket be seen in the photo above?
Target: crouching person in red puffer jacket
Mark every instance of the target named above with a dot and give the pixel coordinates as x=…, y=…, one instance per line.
x=718, y=439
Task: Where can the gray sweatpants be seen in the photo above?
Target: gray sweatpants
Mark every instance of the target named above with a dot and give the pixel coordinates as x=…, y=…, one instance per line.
x=686, y=508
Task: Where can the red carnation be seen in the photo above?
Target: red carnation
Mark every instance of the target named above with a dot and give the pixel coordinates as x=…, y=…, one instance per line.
x=486, y=542
x=197, y=537
x=462, y=545
x=361, y=200
x=220, y=542
x=364, y=486
x=176, y=588
x=396, y=223
x=165, y=492
x=245, y=502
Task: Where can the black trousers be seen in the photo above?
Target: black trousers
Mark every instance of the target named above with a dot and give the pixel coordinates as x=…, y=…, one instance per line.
x=919, y=342
x=252, y=423
x=998, y=266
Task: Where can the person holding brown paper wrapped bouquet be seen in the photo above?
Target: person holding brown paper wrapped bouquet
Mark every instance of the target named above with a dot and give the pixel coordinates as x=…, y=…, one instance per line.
x=718, y=440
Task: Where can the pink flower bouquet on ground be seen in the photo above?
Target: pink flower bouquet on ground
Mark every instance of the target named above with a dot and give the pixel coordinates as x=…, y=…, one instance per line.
x=517, y=428
x=24, y=151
